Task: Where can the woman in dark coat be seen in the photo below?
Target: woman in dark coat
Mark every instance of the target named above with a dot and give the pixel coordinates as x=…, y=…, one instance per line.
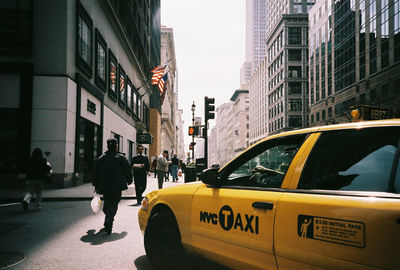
x=38, y=170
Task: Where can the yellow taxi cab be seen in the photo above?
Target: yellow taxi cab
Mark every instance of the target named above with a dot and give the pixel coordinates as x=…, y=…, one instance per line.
x=318, y=198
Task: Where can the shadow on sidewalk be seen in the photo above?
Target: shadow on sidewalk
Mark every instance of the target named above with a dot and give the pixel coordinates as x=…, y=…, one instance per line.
x=101, y=237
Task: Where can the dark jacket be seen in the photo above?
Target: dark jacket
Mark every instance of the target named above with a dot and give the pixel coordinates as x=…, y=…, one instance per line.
x=175, y=161
x=37, y=168
x=140, y=159
x=112, y=173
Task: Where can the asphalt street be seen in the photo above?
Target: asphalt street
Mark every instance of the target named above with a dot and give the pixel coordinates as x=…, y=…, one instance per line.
x=65, y=235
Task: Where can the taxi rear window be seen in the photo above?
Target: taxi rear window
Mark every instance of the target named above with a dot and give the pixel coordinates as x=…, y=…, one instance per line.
x=354, y=160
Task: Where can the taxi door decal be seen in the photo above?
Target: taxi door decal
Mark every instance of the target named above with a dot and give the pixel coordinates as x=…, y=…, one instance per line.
x=344, y=232
x=228, y=220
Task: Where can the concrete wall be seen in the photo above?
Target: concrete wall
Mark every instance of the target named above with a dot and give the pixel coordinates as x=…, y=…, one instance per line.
x=53, y=122
x=50, y=35
x=113, y=123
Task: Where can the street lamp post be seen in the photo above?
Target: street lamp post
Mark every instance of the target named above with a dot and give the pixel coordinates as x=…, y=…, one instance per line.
x=193, y=109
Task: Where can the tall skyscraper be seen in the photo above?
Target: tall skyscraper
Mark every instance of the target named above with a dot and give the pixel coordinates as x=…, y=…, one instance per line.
x=255, y=38
x=278, y=87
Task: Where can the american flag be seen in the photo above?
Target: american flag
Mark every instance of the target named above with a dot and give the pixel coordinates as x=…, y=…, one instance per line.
x=157, y=75
x=121, y=83
x=163, y=83
x=162, y=97
x=155, y=69
x=113, y=74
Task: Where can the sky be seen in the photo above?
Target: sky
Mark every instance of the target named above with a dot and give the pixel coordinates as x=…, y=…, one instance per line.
x=209, y=38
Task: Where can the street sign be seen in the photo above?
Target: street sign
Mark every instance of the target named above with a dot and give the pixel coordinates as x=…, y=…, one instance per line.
x=144, y=138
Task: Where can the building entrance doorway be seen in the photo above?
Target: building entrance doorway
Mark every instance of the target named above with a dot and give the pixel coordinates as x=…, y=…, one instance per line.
x=89, y=148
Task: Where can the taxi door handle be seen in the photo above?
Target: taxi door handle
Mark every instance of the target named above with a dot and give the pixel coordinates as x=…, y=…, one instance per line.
x=263, y=205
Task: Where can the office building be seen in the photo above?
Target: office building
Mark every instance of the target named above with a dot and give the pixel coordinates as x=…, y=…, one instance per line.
x=278, y=87
x=255, y=38
x=354, y=58
x=75, y=73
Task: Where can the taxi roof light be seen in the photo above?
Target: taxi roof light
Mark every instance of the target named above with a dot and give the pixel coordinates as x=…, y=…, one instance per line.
x=355, y=113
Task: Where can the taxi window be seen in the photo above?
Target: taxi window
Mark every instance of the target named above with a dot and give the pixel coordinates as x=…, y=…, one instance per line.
x=266, y=165
x=397, y=178
x=353, y=160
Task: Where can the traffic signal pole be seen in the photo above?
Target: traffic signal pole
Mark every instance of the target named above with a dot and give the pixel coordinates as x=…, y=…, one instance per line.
x=193, y=109
x=206, y=143
x=208, y=114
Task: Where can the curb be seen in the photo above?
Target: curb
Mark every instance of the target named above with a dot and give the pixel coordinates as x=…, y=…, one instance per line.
x=60, y=199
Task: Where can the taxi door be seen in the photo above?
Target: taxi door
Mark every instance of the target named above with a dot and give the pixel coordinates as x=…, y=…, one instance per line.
x=234, y=224
x=343, y=211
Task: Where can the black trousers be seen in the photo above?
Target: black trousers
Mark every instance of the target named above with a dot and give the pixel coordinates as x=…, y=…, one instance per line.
x=140, y=186
x=110, y=208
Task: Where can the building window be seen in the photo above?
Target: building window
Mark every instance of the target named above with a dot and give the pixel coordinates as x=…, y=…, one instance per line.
x=362, y=55
x=294, y=87
x=16, y=28
x=129, y=90
x=362, y=99
x=131, y=150
x=122, y=87
x=294, y=55
x=294, y=36
x=330, y=112
x=396, y=30
x=294, y=71
x=134, y=103
x=323, y=114
x=372, y=38
x=101, y=61
x=146, y=115
x=295, y=121
x=294, y=104
x=84, y=41
x=139, y=108
x=297, y=6
x=372, y=96
x=112, y=71
x=317, y=116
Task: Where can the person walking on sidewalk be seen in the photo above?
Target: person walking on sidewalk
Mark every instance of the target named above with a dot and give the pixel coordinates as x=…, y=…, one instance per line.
x=174, y=168
x=112, y=174
x=154, y=167
x=162, y=167
x=38, y=170
x=141, y=167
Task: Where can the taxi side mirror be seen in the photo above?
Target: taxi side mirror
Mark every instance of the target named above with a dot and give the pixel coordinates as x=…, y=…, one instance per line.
x=209, y=176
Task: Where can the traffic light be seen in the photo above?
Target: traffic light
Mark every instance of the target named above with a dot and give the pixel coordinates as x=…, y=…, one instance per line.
x=191, y=145
x=209, y=108
x=194, y=130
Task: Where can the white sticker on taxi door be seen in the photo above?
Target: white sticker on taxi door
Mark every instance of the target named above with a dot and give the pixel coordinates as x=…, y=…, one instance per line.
x=338, y=231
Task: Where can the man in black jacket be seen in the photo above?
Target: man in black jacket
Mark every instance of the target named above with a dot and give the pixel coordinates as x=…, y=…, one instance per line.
x=141, y=167
x=112, y=173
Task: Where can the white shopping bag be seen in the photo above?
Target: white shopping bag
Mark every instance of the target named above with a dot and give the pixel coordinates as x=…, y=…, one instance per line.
x=96, y=203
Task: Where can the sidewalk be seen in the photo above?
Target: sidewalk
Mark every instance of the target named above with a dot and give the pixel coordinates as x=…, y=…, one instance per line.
x=83, y=192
